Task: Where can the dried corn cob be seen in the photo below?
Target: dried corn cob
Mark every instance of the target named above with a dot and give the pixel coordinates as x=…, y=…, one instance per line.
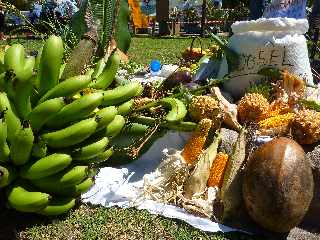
x=204, y=107
x=217, y=170
x=277, y=121
x=193, y=147
x=306, y=127
x=278, y=107
x=252, y=107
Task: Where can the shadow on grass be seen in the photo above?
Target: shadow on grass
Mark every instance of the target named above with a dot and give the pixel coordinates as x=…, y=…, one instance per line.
x=13, y=222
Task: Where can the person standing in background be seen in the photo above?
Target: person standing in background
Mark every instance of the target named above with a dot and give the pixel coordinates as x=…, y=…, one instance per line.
x=257, y=8
x=2, y=23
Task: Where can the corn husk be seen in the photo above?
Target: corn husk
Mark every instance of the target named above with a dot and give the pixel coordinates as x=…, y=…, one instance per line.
x=230, y=110
x=201, y=204
x=165, y=184
x=231, y=191
x=197, y=182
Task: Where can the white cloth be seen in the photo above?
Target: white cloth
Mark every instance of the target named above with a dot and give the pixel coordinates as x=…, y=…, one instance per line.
x=123, y=186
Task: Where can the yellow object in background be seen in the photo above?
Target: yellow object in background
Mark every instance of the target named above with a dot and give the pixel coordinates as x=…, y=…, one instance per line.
x=140, y=20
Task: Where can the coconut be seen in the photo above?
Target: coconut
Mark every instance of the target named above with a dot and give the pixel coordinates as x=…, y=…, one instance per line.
x=278, y=185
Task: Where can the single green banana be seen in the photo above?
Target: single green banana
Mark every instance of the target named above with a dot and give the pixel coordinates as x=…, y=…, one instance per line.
x=125, y=108
x=90, y=150
x=14, y=58
x=50, y=63
x=67, y=88
x=100, y=158
x=23, y=87
x=78, y=189
x=46, y=166
x=28, y=69
x=44, y=111
x=63, y=66
x=21, y=146
x=23, y=200
x=39, y=149
x=177, y=109
x=7, y=175
x=106, y=115
x=58, y=207
x=71, y=135
x=77, y=110
x=13, y=122
x=4, y=148
x=180, y=126
x=83, y=187
x=67, y=178
x=109, y=72
x=22, y=100
x=121, y=94
x=115, y=127
x=99, y=68
x=135, y=129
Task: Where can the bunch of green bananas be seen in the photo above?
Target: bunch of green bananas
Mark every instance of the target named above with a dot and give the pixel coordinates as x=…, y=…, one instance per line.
x=53, y=133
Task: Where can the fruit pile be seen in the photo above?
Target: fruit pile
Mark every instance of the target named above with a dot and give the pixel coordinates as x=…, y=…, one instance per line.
x=53, y=131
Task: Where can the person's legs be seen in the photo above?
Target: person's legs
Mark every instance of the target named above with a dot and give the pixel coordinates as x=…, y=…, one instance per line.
x=256, y=9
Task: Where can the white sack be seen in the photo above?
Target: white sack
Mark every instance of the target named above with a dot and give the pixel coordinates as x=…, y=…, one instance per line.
x=274, y=42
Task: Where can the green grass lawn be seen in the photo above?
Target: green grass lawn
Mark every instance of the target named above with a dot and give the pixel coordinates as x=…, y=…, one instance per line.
x=143, y=50
x=91, y=223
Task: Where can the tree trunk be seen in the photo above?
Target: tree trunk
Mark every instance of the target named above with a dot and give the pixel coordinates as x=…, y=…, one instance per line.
x=203, y=17
x=162, y=8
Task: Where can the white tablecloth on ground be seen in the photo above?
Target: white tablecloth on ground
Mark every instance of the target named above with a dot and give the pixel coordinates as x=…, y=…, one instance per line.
x=123, y=186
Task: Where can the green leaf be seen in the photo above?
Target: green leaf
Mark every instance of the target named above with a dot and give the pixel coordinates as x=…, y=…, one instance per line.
x=122, y=35
x=78, y=23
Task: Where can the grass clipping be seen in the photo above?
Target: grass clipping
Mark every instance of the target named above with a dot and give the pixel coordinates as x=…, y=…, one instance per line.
x=184, y=185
